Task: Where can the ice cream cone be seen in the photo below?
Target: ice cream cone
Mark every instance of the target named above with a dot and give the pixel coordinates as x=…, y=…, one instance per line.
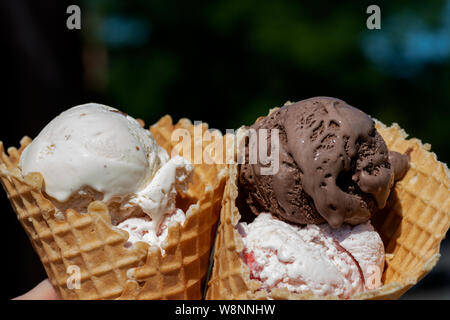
x=88, y=245
x=412, y=226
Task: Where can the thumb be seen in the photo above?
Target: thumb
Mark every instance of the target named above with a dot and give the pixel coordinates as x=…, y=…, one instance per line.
x=43, y=291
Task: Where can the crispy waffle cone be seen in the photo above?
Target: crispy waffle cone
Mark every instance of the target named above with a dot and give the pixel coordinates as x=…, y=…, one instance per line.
x=411, y=226
x=88, y=240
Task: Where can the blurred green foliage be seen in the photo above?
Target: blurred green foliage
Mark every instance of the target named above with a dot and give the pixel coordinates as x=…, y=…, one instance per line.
x=228, y=62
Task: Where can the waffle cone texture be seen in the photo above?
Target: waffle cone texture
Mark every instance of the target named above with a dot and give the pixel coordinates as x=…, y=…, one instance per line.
x=88, y=240
x=412, y=226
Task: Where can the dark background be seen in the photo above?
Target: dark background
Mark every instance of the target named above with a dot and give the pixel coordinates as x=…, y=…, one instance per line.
x=225, y=63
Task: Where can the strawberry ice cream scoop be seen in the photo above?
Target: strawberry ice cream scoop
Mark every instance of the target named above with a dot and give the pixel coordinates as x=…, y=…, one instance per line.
x=365, y=245
x=314, y=259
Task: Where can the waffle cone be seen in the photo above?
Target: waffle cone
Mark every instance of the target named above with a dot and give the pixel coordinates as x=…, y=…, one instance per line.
x=412, y=226
x=88, y=240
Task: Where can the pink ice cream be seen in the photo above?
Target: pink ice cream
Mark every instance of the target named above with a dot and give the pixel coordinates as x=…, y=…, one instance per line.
x=313, y=259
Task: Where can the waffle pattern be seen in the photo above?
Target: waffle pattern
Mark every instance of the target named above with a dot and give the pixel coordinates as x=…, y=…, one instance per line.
x=230, y=277
x=180, y=274
x=417, y=216
x=108, y=269
x=412, y=227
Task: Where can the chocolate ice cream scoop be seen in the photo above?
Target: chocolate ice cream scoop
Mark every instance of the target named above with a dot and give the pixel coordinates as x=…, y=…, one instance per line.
x=400, y=163
x=333, y=165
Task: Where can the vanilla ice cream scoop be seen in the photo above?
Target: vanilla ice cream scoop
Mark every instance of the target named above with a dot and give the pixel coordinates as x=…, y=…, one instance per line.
x=99, y=147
